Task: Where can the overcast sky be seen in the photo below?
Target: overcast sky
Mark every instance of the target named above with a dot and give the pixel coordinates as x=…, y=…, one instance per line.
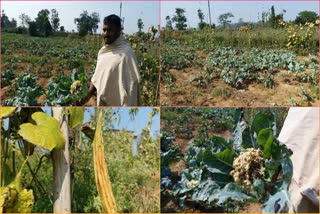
x=247, y=10
x=68, y=11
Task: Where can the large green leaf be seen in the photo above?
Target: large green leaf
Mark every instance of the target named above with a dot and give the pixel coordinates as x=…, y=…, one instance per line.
x=217, y=163
x=230, y=191
x=247, y=141
x=278, y=203
x=225, y=156
x=205, y=189
x=265, y=140
x=76, y=116
x=46, y=133
x=260, y=121
x=6, y=111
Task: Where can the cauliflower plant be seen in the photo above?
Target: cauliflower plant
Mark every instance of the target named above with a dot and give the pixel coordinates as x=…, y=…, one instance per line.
x=248, y=166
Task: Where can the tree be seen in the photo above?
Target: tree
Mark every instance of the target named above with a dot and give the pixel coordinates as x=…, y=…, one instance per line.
x=169, y=23
x=25, y=19
x=306, y=16
x=180, y=19
x=87, y=23
x=201, y=17
x=44, y=27
x=6, y=23
x=264, y=17
x=13, y=23
x=272, y=18
x=4, y=20
x=62, y=29
x=223, y=19
x=95, y=19
x=140, y=25
x=55, y=20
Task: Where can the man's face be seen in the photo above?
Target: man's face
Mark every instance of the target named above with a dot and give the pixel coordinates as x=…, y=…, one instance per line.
x=110, y=33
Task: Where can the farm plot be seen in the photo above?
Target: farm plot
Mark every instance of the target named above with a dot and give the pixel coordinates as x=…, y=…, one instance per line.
x=233, y=68
x=56, y=70
x=200, y=170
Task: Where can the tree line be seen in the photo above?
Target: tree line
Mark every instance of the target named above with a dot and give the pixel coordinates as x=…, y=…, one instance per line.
x=267, y=19
x=48, y=22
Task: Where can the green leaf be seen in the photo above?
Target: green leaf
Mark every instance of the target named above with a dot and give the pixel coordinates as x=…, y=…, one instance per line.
x=217, y=163
x=206, y=188
x=76, y=116
x=46, y=133
x=260, y=121
x=272, y=167
x=230, y=191
x=226, y=156
x=6, y=111
x=278, y=203
x=258, y=187
x=265, y=140
x=247, y=140
x=287, y=170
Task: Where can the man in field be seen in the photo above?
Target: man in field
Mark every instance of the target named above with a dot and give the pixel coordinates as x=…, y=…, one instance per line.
x=116, y=77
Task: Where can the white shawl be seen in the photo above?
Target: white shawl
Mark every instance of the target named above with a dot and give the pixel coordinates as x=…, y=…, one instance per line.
x=300, y=132
x=116, y=76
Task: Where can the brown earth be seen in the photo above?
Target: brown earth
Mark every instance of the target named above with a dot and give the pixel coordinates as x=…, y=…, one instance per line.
x=217, y=93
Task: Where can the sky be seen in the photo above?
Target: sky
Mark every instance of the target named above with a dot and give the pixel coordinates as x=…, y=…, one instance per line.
x=246, y=10
x=140, y=121
x=68, y=11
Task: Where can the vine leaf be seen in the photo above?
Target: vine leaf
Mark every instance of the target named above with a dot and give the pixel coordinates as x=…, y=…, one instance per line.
x=46, y=133
x=6, y=111
x=76, y=116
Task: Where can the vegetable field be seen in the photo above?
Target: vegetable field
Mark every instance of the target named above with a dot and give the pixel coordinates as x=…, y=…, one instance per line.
x=55, y=71
x=226, y=160
x=246, y=66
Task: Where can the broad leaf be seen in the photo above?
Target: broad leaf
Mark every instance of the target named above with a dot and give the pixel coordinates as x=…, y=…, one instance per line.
x=205, y=189
x=217, y=163
x=46, y=133
x=247, y=141
x=226, y=156
x=76, y=116
x=6, y=111
x=230, y=191
x=272, y=167
x=260, y=121
x=265, y=140
x=279, y=202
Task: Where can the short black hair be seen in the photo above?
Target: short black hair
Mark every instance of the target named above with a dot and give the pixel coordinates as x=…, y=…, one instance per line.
x=113, y=19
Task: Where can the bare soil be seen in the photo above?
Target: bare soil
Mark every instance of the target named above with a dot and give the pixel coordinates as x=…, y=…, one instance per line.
x=189, y=93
